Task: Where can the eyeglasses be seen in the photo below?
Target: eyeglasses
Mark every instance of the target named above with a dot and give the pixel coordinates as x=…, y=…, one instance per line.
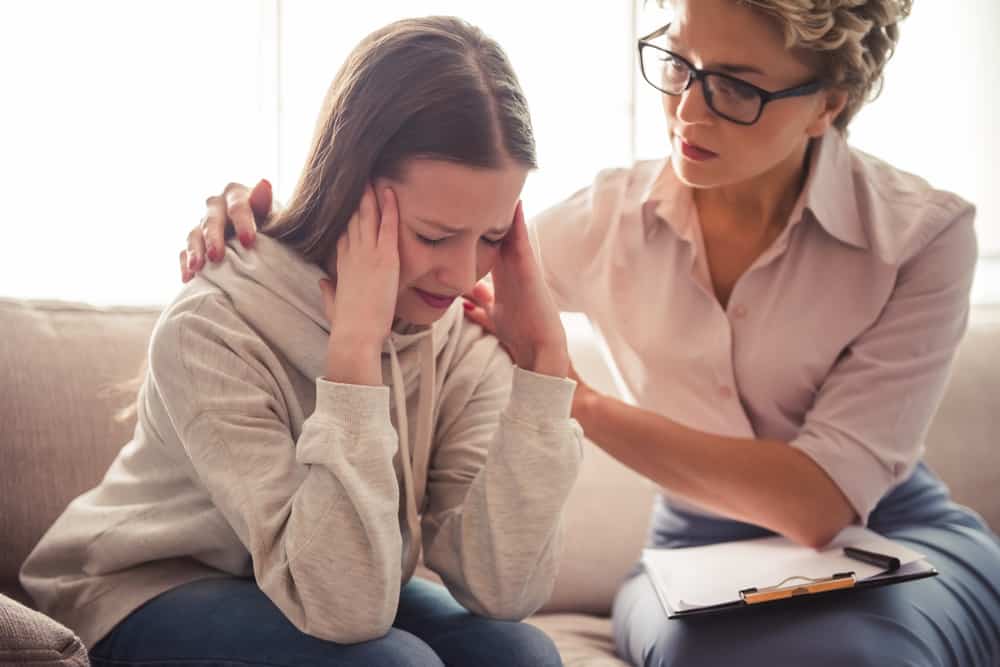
x=734, y=99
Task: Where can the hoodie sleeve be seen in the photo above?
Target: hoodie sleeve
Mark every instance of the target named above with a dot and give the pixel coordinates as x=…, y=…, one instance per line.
x=506, y=457
x=317, y=513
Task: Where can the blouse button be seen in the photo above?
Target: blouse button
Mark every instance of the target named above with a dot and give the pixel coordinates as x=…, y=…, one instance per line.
x=725, y=392
x=740, y=311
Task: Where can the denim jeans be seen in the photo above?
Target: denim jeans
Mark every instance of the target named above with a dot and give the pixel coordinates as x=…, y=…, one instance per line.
x=229, y=621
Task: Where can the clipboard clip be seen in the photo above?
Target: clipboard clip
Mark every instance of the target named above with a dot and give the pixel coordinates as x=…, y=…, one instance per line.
x=803, y=586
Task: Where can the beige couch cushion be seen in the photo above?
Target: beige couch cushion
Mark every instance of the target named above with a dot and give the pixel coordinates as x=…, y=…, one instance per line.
x=59, y=436
x=583, y=640
x=59, y=362
x=963, y=445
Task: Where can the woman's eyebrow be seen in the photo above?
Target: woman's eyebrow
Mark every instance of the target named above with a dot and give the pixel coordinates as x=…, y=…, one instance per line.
x=451, y=230
x=733, y=68
x=729, y=68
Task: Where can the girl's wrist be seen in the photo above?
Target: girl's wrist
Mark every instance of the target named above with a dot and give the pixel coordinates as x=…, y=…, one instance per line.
x=354, y=363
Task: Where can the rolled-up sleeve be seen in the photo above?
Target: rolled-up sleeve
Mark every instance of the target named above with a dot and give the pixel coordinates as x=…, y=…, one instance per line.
x=867, y=425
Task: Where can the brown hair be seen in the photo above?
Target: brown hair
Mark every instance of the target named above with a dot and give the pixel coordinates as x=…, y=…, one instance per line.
x=433, y=87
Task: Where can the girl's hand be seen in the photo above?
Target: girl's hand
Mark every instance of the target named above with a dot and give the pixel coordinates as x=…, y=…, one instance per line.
x=519, y=309
x=362, y=303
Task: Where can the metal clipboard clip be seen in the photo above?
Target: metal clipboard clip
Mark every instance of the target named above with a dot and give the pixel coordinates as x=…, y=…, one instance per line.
x=804, y=586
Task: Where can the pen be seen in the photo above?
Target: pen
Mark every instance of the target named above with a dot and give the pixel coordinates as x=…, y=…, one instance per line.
x=880, y=560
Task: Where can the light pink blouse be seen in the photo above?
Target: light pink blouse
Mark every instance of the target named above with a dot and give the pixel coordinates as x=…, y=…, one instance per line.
x=838, y=339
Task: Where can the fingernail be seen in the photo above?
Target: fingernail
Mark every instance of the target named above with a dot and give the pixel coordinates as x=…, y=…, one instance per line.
x=267, y=183
x=246, y=239
x=211, y=252
x=467, y=305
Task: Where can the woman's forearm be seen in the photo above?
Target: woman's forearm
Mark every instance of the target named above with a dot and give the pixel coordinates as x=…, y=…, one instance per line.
x=763, y=482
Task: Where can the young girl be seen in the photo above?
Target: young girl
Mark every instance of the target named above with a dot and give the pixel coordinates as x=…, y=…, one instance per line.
x=784, y=310
x=317, y=411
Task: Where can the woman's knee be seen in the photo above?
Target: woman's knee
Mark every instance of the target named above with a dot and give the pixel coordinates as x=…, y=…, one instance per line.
x=862, y=640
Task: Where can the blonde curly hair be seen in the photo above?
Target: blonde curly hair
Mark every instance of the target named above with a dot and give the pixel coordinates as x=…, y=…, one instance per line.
x=854, y=39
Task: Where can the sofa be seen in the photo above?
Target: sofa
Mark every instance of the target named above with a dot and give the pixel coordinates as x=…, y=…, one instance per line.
x=62, y=365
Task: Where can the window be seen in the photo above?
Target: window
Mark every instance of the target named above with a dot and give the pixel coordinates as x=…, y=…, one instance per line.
x=120, y=117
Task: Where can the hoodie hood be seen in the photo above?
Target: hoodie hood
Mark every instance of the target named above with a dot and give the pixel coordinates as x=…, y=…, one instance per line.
x=277, y=292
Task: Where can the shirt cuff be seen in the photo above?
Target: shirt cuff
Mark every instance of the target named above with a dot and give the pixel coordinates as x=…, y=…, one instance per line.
x=538, y=399
x=357, y=408
x=859, y=474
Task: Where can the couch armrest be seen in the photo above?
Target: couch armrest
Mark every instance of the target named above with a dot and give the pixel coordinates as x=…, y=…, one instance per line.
x=30, y=638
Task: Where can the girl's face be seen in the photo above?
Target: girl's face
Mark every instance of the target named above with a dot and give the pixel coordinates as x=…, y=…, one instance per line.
x=728, y=37
x=452, y=219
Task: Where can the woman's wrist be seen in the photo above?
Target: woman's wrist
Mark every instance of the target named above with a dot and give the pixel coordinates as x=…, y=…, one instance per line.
x=586, y=403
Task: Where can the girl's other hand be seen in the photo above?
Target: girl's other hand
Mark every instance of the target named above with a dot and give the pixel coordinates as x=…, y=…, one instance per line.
x=519, y=309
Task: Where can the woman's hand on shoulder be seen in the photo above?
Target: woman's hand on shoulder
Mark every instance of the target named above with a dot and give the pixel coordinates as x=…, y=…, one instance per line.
x=238, y=208
x=518, y=308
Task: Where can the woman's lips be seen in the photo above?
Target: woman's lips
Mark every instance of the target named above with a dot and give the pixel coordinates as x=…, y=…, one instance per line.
x=433, y=300
x=695, y=152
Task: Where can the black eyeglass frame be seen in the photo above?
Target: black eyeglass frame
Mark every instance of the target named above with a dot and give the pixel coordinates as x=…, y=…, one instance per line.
x=696, y=74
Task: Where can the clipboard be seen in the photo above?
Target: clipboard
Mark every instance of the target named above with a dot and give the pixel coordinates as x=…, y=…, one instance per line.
x=754, y=573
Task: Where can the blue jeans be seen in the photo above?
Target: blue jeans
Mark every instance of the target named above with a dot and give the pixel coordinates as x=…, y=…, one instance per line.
x=952, y=620
x=229, y=622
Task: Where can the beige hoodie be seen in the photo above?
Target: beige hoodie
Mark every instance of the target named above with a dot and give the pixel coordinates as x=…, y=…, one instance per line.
x=245, y=463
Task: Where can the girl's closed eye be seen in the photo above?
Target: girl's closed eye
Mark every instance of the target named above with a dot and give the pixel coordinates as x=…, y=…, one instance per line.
x=426, y=240
x=429, y=241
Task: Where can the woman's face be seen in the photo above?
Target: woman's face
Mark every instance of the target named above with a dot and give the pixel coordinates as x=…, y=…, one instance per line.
x=727, y=36
x=452, y=219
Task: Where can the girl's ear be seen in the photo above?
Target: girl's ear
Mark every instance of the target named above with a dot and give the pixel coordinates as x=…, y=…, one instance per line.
x=833, y=102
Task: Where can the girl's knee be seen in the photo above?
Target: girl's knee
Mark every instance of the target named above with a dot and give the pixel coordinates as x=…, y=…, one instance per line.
x=522, y=645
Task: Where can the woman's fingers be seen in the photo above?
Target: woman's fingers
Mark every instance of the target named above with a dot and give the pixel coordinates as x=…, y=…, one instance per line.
x=186, y=274
x=239, y=213
x=481, y=294
x=479, y=315
x=483, y=318
x=261, y=199
x=195, y=252
x=213, y=227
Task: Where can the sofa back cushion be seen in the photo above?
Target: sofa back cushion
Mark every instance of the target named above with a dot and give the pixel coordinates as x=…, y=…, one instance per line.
x=60, y=364
x=963, y=444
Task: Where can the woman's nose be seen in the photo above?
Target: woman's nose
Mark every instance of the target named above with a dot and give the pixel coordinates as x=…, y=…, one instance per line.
x=692, y=107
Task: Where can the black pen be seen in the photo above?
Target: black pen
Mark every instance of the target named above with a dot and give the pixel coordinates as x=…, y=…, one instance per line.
x=888, y=563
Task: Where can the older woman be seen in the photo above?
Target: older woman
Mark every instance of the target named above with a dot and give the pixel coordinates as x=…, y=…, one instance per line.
x=784, y=310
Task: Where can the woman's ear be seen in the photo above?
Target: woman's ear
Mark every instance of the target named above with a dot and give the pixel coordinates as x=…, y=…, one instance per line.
x=833, y=101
